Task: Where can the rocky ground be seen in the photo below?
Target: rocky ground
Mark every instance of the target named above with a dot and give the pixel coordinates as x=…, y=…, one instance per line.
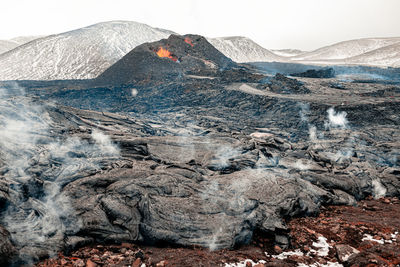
x=362, y=235
x=212, y=159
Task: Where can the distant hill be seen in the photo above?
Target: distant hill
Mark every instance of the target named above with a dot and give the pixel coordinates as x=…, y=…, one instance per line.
x=388, y=56
x=7, y=45
x=242, y=49
x=346, y=49
x=80, y=54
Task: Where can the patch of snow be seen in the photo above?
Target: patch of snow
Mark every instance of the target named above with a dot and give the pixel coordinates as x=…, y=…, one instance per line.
x=243, y=263
x=322, y=247
x=328, y=264
x=286, y=254
x=368, y=237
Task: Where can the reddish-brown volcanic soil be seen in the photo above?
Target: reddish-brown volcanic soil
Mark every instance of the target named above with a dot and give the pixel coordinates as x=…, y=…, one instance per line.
x=342, y=226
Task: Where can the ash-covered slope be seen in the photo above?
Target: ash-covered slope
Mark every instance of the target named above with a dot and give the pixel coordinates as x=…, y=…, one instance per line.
x=242, y=49
x=7, y=45
x=346, y=49
x=80, y=54
x=388, y=56
x=175, y=57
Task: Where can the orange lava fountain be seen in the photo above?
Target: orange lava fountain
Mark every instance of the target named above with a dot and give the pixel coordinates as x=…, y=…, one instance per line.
x=165, y=53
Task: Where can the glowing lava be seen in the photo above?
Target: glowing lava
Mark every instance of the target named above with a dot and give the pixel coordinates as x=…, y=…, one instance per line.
x=189, y=41
x=165, y=53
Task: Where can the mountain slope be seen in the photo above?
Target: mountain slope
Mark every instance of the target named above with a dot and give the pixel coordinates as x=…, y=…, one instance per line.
x=347, y=49
x=388, y=56
x=7, y=45
x=80, y=54
x=242, y=49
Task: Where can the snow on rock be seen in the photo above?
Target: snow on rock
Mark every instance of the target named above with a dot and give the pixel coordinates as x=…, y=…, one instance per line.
x=244, y=263
x=317, y=264
x=79, y=54
x=322, y=247
x=242, y=49
x=368, y=237
x=347, y=49
x=286, y=254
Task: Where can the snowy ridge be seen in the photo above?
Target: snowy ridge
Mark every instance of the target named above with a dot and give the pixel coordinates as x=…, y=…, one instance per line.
x=80, y=54
x=347, y=49
x=242, y=49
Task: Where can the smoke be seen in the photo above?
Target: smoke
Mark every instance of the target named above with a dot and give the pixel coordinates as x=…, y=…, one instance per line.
x=312, y=133
x=304, y=113
x=301, y=166
x=336, y=119
x=224, y=156
x=134, y=92
x=378, y=190
x=37, y=163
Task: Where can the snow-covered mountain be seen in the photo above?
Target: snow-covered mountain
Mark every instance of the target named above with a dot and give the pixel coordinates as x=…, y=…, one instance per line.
x=288, y=52
x=243, y=49
x=80, y=54
x=388, y=56
x=346, y=49
x=7, y=45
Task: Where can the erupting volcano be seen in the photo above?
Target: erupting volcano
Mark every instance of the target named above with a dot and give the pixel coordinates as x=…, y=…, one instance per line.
x=147, y=62
x=165, y=53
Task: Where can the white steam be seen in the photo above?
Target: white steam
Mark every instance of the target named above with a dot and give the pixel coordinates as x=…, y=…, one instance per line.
x=36, y=165
x=378, y=190
x=336, y=119
x=134, y=92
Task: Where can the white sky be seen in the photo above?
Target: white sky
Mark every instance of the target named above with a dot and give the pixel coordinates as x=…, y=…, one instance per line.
x=302, y=24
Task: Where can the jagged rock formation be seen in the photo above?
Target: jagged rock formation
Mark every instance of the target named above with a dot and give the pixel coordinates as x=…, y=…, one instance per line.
x=323, y=73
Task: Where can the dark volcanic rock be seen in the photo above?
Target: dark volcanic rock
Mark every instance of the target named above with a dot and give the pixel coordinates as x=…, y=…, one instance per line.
x=6, y=247
x=168, y=58
x=322, y=73
x=193, y=161
x=284, y=85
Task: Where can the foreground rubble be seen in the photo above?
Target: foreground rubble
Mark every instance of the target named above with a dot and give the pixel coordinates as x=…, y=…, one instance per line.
x=336, y=237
